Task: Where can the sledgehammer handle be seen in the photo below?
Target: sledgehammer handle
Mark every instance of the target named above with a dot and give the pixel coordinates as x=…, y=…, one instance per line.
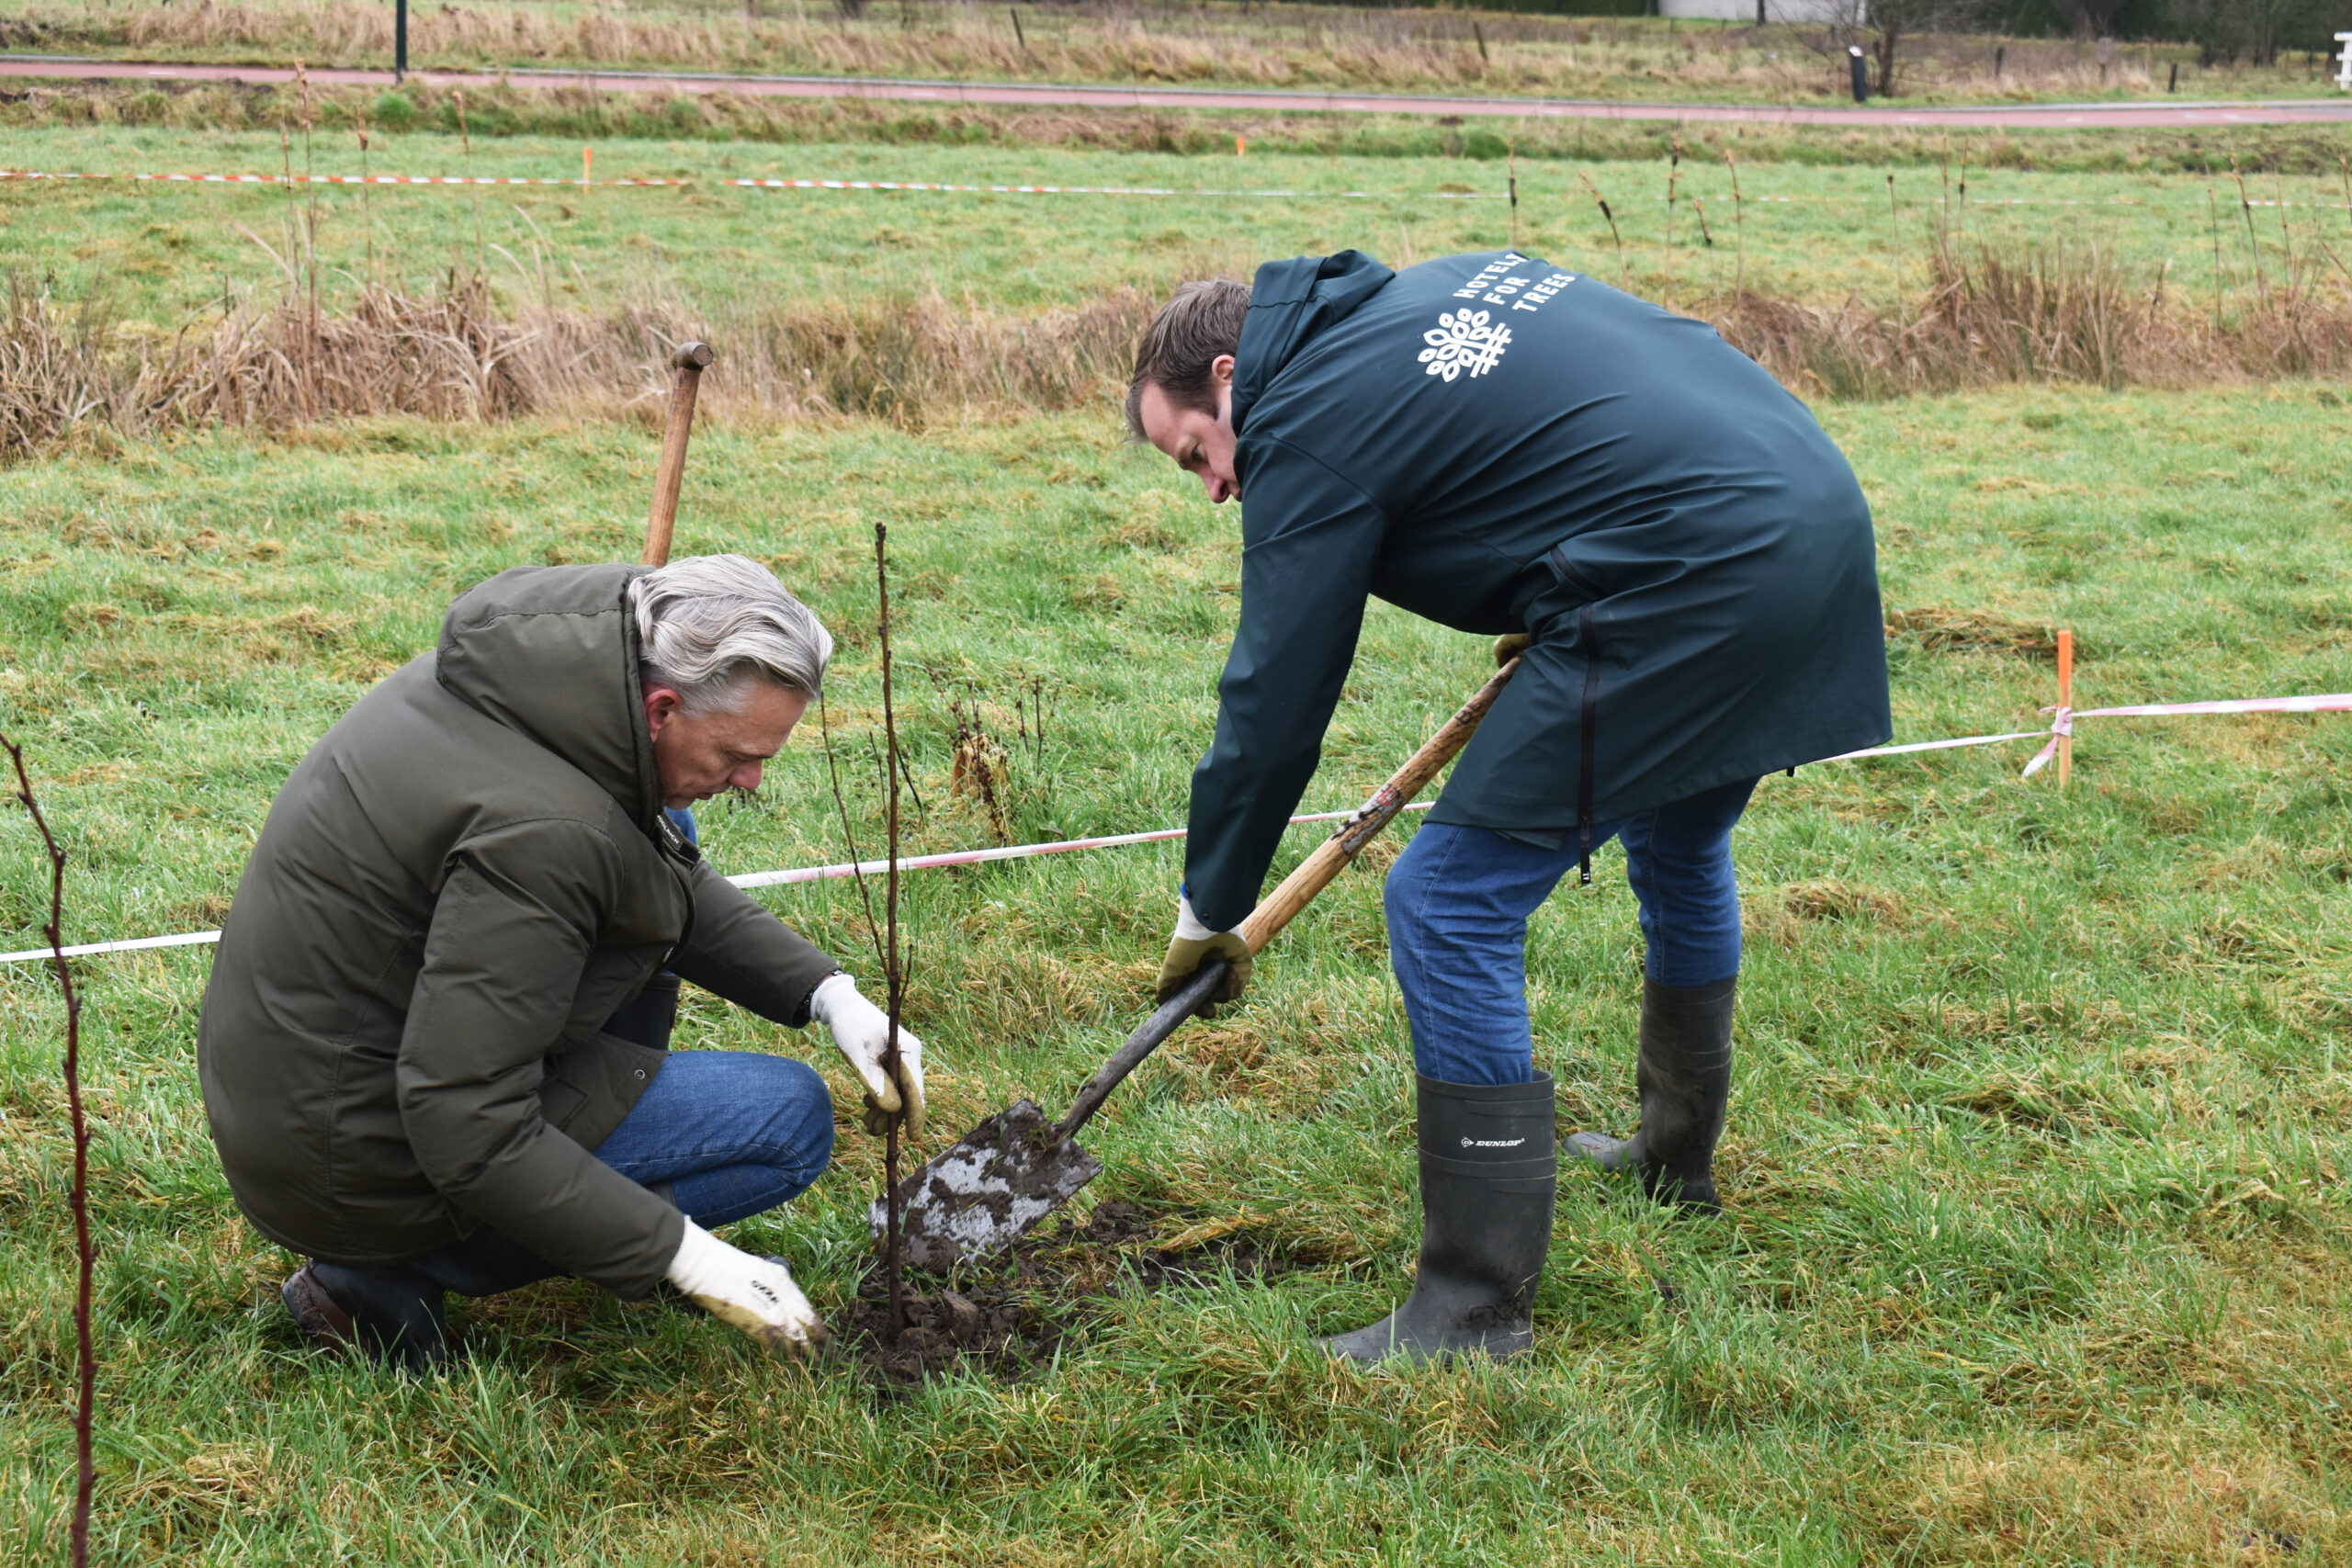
x=1348, y=839
x=689, y=362
x=1298, y=890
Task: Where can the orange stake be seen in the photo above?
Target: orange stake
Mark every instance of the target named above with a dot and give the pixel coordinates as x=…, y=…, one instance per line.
x=587, y=165
x=2066, y=703
x=1240, y=147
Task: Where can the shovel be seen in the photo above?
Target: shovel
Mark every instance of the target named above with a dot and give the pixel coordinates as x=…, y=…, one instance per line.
x=1014, y=1169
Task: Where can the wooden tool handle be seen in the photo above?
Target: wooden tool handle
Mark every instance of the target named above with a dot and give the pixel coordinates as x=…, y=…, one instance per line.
x=1300, y=886
x=1348, y=839
x=689, y=362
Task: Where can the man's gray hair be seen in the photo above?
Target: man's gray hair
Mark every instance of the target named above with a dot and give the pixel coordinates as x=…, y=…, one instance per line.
x=707, y=624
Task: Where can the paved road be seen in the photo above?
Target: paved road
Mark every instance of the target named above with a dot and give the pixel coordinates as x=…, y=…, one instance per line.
x=2292, y=111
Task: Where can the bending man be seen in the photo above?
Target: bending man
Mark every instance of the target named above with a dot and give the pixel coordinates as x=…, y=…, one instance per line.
x=434, y=1045
x=1505, y=448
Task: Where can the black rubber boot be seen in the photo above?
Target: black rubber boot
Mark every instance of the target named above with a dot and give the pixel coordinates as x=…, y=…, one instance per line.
x=1490, y=1164
x=391, y=1314
x=1684, y=1078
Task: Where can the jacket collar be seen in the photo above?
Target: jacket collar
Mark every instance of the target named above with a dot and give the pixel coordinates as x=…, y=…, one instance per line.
x=1291, y=303
x=550, y=652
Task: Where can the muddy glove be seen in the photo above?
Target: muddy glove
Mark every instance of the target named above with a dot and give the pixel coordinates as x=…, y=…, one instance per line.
x=1194, y=945
x=755, y=1294
x=860, y=1028
x=1509, y=646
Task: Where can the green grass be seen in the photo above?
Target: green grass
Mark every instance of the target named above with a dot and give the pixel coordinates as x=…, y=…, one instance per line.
x=2036, y=1247
x=167, y=252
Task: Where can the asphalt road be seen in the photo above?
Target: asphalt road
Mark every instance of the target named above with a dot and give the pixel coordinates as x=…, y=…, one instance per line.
x=2288, y=111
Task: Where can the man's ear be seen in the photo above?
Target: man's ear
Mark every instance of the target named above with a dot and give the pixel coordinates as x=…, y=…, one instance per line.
x=662, y=706
x=1221, y=370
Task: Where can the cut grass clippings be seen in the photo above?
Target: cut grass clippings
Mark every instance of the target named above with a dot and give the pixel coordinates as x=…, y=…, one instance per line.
x=2035, y=1251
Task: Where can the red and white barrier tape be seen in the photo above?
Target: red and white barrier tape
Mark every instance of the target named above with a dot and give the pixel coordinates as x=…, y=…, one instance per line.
x=763, y=878
x=334, y=179
x=746, y=184
x=2062, y=725
x=1034, y=189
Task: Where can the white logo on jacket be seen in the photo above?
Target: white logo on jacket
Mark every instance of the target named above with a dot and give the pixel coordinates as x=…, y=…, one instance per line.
x=1463, y=340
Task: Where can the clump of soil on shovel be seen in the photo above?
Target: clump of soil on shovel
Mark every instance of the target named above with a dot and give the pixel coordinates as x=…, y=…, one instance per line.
x=1010, y=1316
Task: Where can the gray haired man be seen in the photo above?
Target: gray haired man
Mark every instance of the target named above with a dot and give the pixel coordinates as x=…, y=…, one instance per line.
x=435, y=1045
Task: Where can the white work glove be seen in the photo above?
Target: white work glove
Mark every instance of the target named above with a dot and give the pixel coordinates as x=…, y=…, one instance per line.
x=1194, y=945
x=755, y=1294
x=862, y=1030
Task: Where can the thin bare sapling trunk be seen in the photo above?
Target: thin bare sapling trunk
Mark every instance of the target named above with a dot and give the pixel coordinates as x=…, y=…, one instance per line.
x=893, y=970
x=85, y=1468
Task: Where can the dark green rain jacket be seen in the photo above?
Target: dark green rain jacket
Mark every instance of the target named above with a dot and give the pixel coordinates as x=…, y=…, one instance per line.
x=401, y=1040
x=1500, y=445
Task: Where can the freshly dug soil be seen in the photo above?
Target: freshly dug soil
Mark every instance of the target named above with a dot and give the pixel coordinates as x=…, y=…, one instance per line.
x=1007, y=1319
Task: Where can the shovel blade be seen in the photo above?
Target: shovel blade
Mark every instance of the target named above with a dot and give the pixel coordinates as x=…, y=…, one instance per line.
x=980, y=1194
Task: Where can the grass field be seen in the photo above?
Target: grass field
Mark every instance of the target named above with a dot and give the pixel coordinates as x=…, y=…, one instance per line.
x=164, y=253
x=2036, y=1247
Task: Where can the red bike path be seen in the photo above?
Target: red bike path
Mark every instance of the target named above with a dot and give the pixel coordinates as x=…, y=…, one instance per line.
x=1058, y=95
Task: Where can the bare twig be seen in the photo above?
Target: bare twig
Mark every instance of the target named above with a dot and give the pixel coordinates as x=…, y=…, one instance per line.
x=893, y=975
x=2252, y=245
x=85, y=1466
x=849, y=835
x=1612, y=224
x=1738, y=230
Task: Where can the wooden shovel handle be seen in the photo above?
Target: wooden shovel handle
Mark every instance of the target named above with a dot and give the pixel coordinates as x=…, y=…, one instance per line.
x=1348, y=839
x=1298, y=888
x=689, y=361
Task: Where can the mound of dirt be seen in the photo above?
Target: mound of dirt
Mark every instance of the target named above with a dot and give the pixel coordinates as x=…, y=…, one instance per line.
x=1007, y=1319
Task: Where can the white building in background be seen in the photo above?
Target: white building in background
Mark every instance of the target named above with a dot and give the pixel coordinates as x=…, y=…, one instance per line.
x=1810, y=11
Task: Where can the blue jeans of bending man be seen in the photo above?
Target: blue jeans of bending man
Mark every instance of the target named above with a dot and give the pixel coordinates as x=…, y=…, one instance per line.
x=1458, y=899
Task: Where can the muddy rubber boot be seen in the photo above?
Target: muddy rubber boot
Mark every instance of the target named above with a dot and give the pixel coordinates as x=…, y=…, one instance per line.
x=390, y=1314
x=1490, y=1164
x=1684, y=1078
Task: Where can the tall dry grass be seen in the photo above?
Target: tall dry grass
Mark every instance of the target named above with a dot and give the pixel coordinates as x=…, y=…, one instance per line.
x=2056, y=314
x=2053, y=314
x=1107, y=41
x=455, y=354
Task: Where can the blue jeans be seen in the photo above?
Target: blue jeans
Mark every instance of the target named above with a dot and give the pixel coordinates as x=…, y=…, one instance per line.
x=1458, y=900
x=732, y=1131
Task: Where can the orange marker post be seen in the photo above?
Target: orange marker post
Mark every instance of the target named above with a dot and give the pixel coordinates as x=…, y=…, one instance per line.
x=2066, y=703
x=1240, y=147
x=587, y=165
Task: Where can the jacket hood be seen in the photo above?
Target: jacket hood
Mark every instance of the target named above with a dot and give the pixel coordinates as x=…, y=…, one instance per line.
x=550, y=652
x=1290, y=303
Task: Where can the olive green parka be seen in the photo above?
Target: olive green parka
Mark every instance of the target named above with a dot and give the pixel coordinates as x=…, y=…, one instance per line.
x=402, y=1040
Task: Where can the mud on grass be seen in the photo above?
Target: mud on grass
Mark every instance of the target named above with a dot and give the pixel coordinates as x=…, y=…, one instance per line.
x=1007, y=1318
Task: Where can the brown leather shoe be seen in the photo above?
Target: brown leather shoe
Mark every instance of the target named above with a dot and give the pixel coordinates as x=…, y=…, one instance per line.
x=315, y=1311
x=392, y=1315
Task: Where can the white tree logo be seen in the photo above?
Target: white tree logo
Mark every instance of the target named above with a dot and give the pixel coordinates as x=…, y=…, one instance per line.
x=1463, y=340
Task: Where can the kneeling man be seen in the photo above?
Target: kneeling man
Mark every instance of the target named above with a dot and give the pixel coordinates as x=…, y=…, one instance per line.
x=433, y=1048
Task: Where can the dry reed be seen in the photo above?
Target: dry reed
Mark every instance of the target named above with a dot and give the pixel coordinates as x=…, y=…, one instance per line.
x=1272, y=44
x=2056, y=314
x=453, y=354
